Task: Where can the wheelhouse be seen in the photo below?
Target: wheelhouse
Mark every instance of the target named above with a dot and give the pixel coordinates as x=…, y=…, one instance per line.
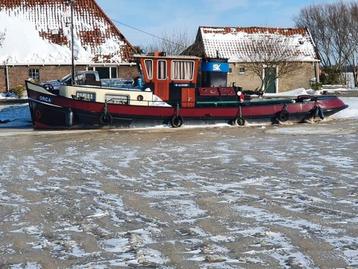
x=170, y=77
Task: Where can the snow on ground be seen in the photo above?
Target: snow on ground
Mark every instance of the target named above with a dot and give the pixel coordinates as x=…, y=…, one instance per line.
x=295, y=92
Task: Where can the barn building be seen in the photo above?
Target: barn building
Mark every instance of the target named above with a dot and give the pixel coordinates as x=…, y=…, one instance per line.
x=245, y=48
x=35, y=41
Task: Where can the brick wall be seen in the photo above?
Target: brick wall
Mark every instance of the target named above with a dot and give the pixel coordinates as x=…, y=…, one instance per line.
x=248, y=80
x=18, y=74
x=300, y=78
x=127, y=72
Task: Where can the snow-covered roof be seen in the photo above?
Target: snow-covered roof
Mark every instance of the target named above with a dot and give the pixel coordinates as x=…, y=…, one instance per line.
x=243, y=44
x=38, y=32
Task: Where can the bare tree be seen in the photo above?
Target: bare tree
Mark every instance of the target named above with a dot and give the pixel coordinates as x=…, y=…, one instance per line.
x=171, y=43
x=271, y=52
x=334, y=28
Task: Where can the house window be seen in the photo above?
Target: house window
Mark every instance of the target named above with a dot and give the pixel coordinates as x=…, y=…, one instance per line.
x=230, y=70
x=149, y=68
x=242, y=71
x=183, y=70
x=103, y=72
x=162, y=69
x=34, y=73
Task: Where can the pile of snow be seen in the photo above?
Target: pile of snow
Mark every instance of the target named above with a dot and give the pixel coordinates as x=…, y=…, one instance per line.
x=295, y=92
x=7, y=95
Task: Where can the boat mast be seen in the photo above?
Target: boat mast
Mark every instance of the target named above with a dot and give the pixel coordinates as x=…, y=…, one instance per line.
x=71, y=3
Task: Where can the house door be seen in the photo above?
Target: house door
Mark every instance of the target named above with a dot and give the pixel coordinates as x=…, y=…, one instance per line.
x=270, y=79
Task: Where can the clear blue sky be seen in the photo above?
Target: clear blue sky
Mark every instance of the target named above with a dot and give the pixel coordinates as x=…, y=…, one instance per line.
x=159, y=16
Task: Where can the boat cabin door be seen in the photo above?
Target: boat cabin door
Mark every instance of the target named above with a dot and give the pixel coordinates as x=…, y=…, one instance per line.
x=156, y=75
x=161, y=81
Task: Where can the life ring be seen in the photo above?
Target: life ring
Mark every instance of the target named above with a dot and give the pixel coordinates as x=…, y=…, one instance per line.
x=176, y=121
x=239, y=121
x=105, y=119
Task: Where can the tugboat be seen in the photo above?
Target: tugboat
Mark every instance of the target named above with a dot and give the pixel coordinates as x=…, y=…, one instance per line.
x=171, y=90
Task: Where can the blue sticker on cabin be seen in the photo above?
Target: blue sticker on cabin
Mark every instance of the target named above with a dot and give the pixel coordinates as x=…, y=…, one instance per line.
x=215, y=67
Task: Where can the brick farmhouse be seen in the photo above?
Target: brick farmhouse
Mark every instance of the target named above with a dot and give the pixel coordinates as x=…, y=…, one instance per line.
x=239, y=46
x=35, y=41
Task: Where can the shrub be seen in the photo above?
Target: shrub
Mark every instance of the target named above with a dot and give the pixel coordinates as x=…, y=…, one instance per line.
x=19, y=90
x=317, y=86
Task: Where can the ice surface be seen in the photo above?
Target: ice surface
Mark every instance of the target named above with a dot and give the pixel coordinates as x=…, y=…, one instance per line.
x=205, y=198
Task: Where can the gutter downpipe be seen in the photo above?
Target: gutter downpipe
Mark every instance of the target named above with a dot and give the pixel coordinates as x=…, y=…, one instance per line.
x=317, y=72
x=7, y=81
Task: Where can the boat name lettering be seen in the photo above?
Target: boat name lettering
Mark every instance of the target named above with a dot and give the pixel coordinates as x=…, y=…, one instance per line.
x=182, y=85
x=45, y=99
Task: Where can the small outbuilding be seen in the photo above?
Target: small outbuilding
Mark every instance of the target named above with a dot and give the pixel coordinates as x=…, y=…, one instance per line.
x=283, y=58
x=35, y=41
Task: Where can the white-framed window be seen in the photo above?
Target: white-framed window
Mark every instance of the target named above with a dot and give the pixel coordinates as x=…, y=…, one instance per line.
x=242, y=70
x=117, y=99
x=149, y=68
x=34, y=73
x=182, y=70
x=162, y=70
x=86, y=96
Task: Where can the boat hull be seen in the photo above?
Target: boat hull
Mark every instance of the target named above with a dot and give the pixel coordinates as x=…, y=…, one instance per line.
x=49, y=111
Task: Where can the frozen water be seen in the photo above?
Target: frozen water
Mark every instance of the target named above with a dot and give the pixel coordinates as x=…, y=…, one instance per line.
x=278, y=197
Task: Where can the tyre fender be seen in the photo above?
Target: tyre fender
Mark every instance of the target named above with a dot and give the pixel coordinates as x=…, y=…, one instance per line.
x=105, y=119
x=239, y=121
x=283, y=116
x=176, y=121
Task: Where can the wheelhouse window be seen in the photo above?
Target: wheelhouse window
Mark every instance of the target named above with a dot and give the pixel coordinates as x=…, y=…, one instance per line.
x=149, y=68
x=34, y=73
x=86, y=96
x=162, y=69
x=183, y=70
